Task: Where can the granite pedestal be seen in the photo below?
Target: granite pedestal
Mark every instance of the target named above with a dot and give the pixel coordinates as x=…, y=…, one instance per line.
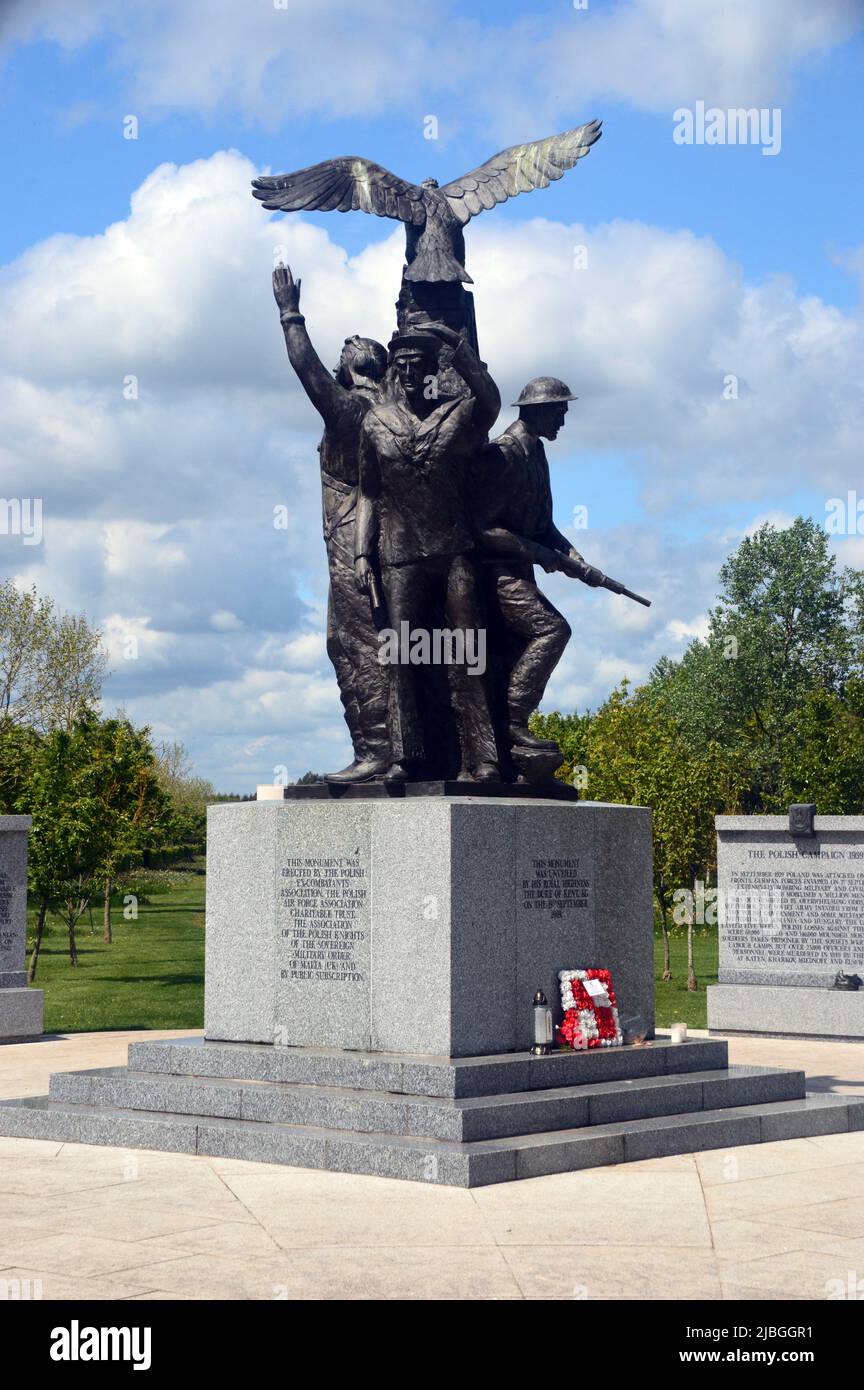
x=371, y=965
x=420, y=925
x=20, y=1007
x=790, y=916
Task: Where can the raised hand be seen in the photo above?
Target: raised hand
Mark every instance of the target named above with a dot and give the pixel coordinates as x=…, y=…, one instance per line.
x=285, y=291
x=440, y=330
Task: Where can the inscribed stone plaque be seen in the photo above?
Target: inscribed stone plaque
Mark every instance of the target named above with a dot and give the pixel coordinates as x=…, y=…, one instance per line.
x=13, y=892
x=322, y=929
x=790, y=911
x=8, y=936
x=20, y=1007
x=554, y=900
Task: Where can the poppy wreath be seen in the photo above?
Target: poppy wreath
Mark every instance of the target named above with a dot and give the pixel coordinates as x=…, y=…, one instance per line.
x=590, y=1015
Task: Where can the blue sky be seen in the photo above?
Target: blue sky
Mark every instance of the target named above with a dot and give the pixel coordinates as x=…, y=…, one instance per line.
x=702, y=261
x=793, y=215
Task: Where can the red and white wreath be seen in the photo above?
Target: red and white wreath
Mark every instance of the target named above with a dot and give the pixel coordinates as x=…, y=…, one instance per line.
x=590, y=1010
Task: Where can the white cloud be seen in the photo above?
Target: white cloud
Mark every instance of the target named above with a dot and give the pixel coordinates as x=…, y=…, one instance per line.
x=335, y=58
x=225, y=621
x=158, y=513
x=683, y=632
x=306, y=652
x=656, y=54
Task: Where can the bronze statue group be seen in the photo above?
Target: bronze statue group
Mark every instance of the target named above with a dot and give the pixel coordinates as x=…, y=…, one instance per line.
x=428, y=526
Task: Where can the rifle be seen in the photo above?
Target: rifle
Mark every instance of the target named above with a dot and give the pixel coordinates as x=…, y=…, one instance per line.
x=575, y=570
x=614, y=587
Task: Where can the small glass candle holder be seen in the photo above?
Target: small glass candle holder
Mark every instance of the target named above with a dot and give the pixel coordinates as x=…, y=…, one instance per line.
x=542, y=1025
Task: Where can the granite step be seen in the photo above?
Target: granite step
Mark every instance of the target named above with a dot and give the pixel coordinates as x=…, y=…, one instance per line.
x=461, y=1120
x=454, y=1077
x=433, y=1160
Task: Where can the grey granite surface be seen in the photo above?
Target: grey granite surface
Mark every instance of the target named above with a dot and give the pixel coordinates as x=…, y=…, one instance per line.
x=425, y=1076
x=240, y=947
x=788, y=1011
x=421, y=925
x=323, y=888
x=428, y=1160
x=461, y=1120
x=790, y=915
x=20, y=1007
x=20, y=1014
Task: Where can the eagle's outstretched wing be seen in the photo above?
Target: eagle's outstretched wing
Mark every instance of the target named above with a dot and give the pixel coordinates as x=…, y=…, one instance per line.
x=346, y=184
x=518, y=170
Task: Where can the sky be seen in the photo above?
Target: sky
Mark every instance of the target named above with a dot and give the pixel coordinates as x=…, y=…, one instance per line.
x=702, y=299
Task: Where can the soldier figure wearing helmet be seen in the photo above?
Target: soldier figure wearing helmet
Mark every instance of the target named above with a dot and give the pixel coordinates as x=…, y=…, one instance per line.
x=517, y=532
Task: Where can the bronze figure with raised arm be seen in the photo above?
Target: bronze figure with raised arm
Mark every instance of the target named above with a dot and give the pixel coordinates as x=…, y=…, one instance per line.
x=342, y=398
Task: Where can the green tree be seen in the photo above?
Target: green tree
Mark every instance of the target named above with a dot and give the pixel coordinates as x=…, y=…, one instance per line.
x=185, y=828
x=788, y=624
x=570, y=732
x=71, y=831
x=637, y=757
x=136, y=804
x=52, y=664
x=822, y=753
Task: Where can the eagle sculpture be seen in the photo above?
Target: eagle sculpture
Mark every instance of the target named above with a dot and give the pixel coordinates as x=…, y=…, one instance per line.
x=433, y=216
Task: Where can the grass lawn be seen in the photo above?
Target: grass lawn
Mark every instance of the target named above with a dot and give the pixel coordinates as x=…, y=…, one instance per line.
x=674, y=1001
x=151, y=976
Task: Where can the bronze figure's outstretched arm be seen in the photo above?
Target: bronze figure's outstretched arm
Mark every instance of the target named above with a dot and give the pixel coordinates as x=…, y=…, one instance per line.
x=323, y=390
x=487, y=397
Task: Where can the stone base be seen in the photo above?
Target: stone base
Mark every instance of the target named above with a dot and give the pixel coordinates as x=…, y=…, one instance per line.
x=462, y=1122
x=20, y=1014
x=546, y=790
x=788, y=1011
x=423, y=924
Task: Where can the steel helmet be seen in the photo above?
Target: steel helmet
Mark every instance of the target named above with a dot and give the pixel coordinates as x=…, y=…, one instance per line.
x=544, y=390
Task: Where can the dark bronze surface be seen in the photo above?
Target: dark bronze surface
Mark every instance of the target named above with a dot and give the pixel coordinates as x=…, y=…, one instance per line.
x=429, y=528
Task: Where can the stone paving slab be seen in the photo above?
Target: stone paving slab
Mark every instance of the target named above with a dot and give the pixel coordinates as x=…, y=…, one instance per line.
x=777, y=1220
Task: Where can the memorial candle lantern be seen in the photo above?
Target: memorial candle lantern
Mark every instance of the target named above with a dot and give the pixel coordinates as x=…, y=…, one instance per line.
x=542, y=1025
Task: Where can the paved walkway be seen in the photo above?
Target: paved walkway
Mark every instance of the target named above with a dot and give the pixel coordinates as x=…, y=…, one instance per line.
x=775, y=1221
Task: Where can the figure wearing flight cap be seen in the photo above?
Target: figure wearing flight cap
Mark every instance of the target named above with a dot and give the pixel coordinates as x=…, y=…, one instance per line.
x=414, y=522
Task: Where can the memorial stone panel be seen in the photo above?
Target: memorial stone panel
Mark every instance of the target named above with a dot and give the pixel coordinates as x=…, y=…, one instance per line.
x=790, y=912
x=20, y=1007
x=322, y=928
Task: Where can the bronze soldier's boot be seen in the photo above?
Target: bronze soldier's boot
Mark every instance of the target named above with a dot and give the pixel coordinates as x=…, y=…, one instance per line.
x=398, y=772
x=364, y=769
x=522, y=737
